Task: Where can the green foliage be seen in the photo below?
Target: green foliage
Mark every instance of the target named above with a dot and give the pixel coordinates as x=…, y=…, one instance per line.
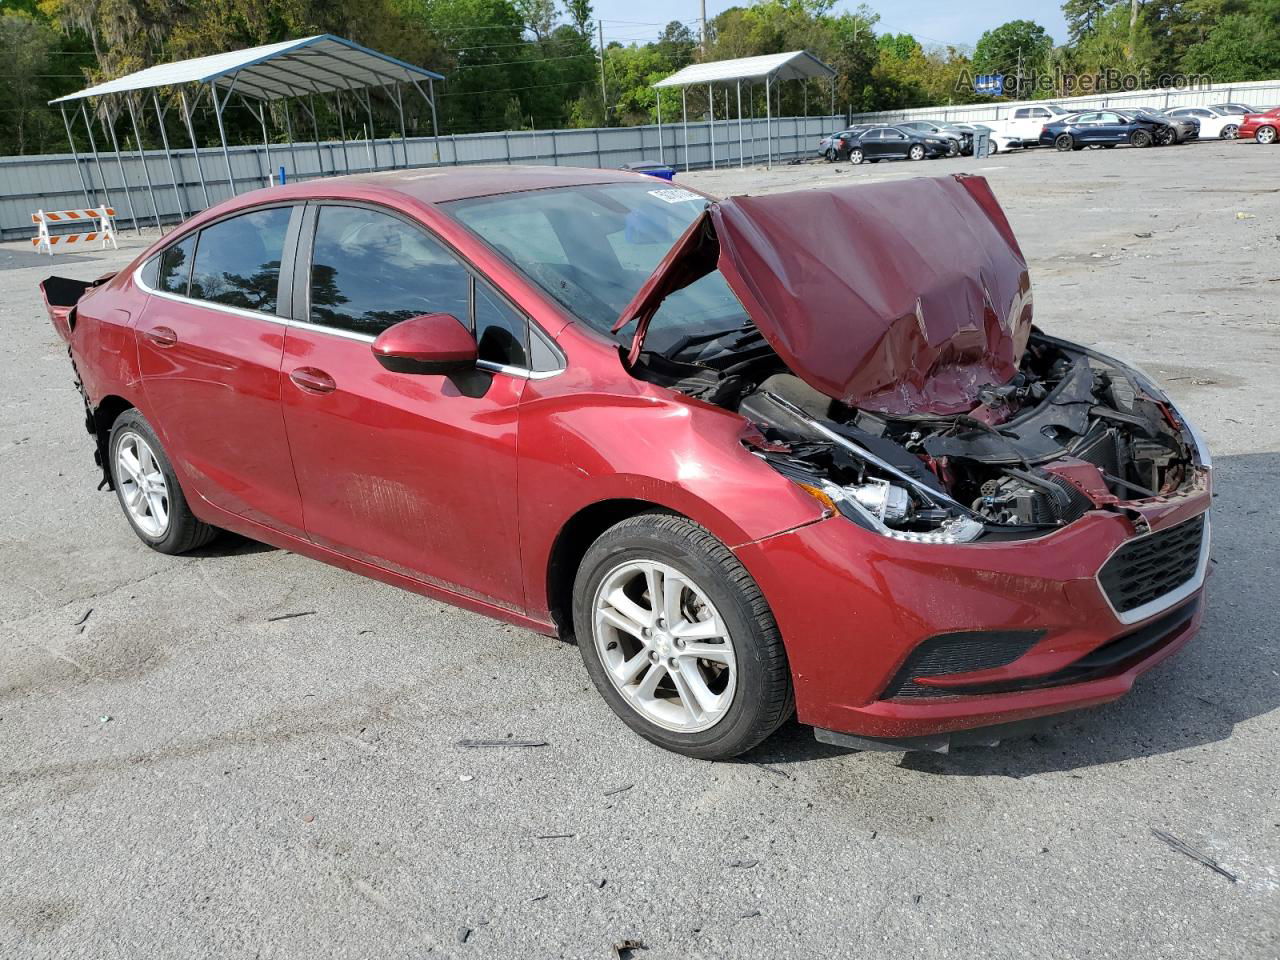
x=512, y=64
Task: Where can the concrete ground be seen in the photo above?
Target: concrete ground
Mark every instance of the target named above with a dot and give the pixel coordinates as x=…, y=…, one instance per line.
x=181, y=775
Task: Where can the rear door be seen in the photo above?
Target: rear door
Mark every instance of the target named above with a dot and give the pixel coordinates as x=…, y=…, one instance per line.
x=210, y=341
x=412, y=473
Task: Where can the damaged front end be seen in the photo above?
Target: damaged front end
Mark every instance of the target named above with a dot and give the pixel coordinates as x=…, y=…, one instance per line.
x=898, y=378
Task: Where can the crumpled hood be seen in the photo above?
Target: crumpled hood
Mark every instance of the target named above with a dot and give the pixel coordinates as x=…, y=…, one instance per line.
x=902, y=297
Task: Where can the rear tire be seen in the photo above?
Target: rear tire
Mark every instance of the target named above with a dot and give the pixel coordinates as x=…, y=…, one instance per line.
x=148, y=489
x=1064, y=142
x=1266, y=135
x=704, y=593
x=1229, y=132
x=855, y=156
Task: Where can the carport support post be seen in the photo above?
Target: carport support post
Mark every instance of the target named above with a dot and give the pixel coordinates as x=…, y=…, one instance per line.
x=74, y=155
x=195, y=147
x=222, y=133
x=404, y=140
x=711, y=123
x=657, y=93
x=97, y=160
x=173, y=171
x=315, y=128
x=124, y=181
x=684, y=120
x=768, y=124
x=342, y=131
x=741, y=162
x=435, y=126
x=142, y=159
x=373, y=143
x=266, y=142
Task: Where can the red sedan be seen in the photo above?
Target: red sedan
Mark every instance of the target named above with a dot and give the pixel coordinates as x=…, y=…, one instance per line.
x=1263, y=127
x=754, y=471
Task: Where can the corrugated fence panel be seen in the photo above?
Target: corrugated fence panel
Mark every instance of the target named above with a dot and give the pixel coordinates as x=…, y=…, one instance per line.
x=52, y=182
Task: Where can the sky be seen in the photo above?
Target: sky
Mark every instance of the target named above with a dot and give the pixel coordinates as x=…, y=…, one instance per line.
x=931, y=21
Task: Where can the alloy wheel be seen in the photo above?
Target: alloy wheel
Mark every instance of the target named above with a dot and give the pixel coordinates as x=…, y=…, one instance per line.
x=917, y=152
x=855, y=156
x=1267, y=135
x=664, y=646
x=1230, y=131
x=142, y=485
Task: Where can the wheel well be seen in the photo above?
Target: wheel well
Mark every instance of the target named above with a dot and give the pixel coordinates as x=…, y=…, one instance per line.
x=575, y=538
x=105, y=415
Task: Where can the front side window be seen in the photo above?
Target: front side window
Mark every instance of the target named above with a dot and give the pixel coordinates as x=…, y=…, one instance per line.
x=237, y=261
x=502, y=334
x=370, y=270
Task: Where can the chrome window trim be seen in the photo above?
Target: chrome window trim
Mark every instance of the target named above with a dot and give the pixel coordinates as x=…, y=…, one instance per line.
x=488, y=365
x=1173, y=597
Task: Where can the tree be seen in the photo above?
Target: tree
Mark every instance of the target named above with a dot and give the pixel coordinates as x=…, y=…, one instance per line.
x=26, y=45
x=1082, y=16
x=580, y=15
x=1242, y=46
x=539, y=16
x=676, y=44
x=1017, y=44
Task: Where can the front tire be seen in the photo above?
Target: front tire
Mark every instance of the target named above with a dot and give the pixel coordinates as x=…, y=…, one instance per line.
x=1266, y=135
x=148, y=489
x=1140, y=139
x=678, y=639
x=916, y=152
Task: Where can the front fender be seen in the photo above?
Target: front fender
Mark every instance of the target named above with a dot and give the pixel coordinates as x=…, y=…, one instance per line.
x=579, y=449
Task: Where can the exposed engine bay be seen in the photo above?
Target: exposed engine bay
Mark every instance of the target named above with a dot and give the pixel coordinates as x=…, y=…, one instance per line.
x=1072, y=431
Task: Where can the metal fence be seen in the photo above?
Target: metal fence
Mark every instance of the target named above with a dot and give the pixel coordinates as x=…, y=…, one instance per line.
x=1261, y=94
x=52, y=182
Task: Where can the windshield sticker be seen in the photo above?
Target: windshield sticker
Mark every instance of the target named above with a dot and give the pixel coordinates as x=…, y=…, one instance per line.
x=675, y=195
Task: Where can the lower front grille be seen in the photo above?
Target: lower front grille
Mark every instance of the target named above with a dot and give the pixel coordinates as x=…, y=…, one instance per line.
x=950, y=653
x=1149, y=567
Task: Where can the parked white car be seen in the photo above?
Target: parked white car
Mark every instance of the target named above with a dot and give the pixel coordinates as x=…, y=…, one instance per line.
x=1022, y=127
x=1213, y=121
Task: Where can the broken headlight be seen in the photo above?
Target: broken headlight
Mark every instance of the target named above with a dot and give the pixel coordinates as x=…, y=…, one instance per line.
x=891, y=510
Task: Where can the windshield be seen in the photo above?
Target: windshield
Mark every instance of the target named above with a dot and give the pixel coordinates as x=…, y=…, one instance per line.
x=593, y=247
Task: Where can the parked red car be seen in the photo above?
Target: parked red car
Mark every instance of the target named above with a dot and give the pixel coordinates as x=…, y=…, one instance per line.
x=1262, y=127
x=751, y=469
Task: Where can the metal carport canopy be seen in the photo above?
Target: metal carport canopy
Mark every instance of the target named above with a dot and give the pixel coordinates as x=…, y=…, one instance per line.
x=276, y=72
x=796, y=65
x=772, y=68
x=319, y=64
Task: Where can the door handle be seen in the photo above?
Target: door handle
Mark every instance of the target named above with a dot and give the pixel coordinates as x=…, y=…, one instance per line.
x=161, y=336
x=311, y=380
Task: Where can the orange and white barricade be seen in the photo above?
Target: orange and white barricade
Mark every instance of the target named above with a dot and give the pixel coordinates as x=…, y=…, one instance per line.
x=102, y=219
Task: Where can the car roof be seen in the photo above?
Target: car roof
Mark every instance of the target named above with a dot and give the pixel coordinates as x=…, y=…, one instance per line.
x=432, y=185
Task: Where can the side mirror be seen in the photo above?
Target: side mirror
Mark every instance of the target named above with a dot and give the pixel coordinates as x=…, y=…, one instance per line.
x=431, y=343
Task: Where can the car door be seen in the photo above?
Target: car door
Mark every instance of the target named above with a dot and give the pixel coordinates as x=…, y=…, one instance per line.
x=413, y=473
x=210, y=339
x=1112, y=128
x=895, y=144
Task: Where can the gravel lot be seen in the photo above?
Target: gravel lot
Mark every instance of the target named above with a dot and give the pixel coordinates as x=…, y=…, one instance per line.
x=183, y=776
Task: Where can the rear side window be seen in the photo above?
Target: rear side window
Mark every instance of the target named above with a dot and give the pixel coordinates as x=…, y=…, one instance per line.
x=370, y=270
x=237, y=260
x=175, y=267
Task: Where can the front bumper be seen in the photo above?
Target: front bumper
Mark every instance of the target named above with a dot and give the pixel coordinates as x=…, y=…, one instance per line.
x=854, y=606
